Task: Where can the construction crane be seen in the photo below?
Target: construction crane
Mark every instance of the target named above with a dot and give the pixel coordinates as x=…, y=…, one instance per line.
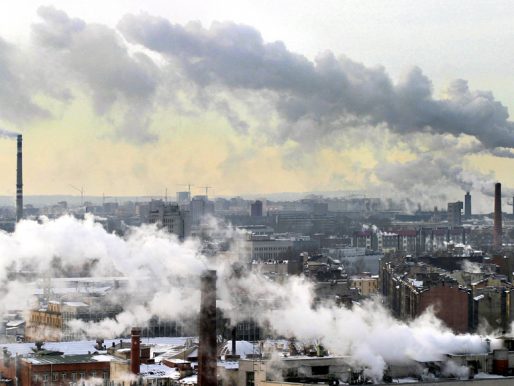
x=206, y=189
x=81, y=191
x=104, y=197
x=188, y=187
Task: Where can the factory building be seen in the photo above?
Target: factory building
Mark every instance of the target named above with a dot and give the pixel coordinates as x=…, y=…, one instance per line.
x=263, y=247
x=455, y=213
x=463, y=305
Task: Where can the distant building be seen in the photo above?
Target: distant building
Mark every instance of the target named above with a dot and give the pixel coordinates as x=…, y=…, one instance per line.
x=256, y=209
x=183, y=198
x=455, y=213
x=261, y=247
x=200, y=206
x=367, y=285
x=170, y=216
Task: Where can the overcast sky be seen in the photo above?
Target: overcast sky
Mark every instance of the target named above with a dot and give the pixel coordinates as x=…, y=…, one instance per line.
x=128, y=97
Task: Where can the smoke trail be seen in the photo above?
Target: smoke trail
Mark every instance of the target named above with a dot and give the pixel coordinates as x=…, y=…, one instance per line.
x=7, y=133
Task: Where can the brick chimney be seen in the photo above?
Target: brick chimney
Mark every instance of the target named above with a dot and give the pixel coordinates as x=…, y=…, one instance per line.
x=207, y=350
x=135, y=351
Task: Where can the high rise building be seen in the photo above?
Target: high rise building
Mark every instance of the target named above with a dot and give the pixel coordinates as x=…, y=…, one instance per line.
x=467, y=206
x=170, y=216
x=183, y=198
x=455, y=213
x=200, y=207
x=256, y=209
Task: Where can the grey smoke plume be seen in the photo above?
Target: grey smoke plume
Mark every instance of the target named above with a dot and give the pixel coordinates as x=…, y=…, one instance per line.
x=16, y=87
x=326, y=95
x=95, y=56
x=7, y=133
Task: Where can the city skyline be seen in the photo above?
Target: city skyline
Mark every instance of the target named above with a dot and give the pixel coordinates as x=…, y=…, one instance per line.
x=144, y=131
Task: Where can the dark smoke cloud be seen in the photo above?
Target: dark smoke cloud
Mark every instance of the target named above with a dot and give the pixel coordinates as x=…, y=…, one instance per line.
x=324, y=95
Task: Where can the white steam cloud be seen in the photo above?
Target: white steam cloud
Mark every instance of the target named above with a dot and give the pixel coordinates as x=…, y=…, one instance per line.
x=164, y=280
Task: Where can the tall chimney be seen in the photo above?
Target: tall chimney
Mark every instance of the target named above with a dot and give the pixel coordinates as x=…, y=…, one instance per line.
x=207, y=350
x=234, y=341
x=135, y=351
x=467, y=205
x=19, y=180
x=497, y=235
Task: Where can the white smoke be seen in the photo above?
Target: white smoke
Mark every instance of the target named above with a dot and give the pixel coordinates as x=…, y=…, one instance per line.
x=471, y=267
x=162, y=273
x=164, y=280
x=368, y=333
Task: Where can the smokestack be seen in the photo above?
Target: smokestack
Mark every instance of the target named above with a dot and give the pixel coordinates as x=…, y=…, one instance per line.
x=135, y=351
x=207, y=350
x=467, y=205
x=234, y=341
x=19, y=180
x=497, y=235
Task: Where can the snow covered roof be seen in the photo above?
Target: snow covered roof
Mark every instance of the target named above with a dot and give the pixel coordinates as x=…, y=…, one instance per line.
x=158, y=371
x=243, y=348
x=14, y=323
x=84, y=346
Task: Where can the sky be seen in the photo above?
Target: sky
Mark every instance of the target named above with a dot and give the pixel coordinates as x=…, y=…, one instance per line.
x=399, y=99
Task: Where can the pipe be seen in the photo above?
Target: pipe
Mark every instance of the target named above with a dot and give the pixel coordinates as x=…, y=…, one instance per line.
x=207, y=350
x=19, y=179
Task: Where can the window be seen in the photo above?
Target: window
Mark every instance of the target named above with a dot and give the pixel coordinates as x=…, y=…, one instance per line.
x=82, y=375
x=319, y=370
x=73, y=376
x=55, y=376
x=250, y=378
x=93, y=374
x=63, y=376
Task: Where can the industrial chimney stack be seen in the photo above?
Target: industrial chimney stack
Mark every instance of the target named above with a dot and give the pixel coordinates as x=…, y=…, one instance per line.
x=135, y=351
x=19, y=180
x=207, y=350
x=497, y=235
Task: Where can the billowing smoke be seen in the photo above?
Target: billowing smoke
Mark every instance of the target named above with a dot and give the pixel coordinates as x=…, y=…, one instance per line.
x=162, y=273
x=329, y=94
x=148, y=65
x=163, y=277
x=368, y=333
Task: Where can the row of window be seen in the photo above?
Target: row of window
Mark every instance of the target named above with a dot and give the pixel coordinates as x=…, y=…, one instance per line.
x=73, y=376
